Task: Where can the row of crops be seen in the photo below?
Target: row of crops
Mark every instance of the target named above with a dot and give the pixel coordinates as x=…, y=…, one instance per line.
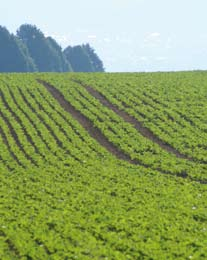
x=123, y=134
x=64, y=195
x=172, y=105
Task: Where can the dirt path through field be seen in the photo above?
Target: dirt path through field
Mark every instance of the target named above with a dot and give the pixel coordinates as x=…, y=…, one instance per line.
x=99, y=137
x=86, y=123
x=137, y=124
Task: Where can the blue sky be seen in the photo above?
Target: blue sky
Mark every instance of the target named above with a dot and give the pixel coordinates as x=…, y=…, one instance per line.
x=128, y=35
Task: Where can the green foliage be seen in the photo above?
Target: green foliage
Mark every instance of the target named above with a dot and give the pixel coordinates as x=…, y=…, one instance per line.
x=62, y=63
x=63, y=196
x=171, y=105
x=14, y=55
x=79, y=59
x=31, y=51
x=121, y=133
x=83, y=59
x=97, y=64
x=45, y=52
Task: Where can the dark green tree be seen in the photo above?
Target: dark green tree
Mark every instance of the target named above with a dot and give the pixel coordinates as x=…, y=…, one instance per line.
x=83, y=58
x=14, y=55
x=95, y=60
x=62, y=61
x=78, y=59
x=31, y=51
x=41, y=49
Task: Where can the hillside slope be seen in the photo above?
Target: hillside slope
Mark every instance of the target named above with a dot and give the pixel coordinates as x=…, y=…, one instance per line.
x=103, y=166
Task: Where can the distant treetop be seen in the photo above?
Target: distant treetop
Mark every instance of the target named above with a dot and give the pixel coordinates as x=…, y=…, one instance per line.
x=83, y=58
x=31, y=51
x=14, y=55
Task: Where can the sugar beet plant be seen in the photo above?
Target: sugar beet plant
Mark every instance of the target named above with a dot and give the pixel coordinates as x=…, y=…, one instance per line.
x=79, y=181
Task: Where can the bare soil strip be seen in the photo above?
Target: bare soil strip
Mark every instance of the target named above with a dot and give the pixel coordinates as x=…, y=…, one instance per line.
x=137, y=124
x=56, y=137
x=86, y=123
x=98, y=136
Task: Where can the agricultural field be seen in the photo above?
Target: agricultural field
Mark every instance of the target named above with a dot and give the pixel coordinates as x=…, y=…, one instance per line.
x=103, y=166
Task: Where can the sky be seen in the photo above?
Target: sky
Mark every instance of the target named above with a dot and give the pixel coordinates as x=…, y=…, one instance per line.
x=128, y=35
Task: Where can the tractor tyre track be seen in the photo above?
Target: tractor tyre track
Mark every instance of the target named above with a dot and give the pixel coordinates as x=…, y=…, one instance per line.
x=99, y=137
x=86, y=123
x=137, y=124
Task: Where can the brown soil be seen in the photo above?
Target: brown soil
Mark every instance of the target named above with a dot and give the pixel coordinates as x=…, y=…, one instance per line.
x=137, y=124
x=98, y=136
x=95, y=132
x=86, y=123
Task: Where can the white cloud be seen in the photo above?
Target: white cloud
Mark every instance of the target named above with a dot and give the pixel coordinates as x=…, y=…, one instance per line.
x=107, y=40
x=152, y=37
x=81, y=30
x=92, y=36
x=46, y=33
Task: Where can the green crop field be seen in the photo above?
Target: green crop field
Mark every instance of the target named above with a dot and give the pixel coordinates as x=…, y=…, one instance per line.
x=103, y=166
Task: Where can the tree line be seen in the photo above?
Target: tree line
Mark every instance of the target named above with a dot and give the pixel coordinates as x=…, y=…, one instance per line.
x=31, y=51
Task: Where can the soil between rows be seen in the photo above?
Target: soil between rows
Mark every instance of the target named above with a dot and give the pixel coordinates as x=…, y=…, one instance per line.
x=86, y=123
x=95, y=132
x=98, y=136
x=137, y=124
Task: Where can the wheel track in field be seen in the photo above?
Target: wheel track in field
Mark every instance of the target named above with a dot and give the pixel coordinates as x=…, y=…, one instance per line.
x=99, y=137
x=136, y=124
x=69, y=123
x=86, y=123
x=59, y=125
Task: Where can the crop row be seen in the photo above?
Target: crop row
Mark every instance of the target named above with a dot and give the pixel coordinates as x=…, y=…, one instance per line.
x=163, y=113
x=36, y=130
x=123, y=134
x=79, y=201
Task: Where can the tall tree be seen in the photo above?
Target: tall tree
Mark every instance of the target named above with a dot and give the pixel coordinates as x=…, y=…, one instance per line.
x=14, y=55
x=62, y=61
x=83, y=58
x=40, y=48
x=95, y=60
x=78, y=58
x=31, y=51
